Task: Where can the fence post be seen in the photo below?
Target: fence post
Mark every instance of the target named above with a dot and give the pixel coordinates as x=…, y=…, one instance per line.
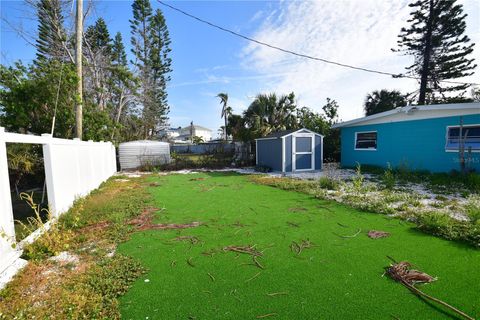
x=49, y=173
x=7, y=227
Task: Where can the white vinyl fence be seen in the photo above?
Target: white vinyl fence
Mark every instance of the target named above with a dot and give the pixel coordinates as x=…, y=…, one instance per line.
x=73, y=168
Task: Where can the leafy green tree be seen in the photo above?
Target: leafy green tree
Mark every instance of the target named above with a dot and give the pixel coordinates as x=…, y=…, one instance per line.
x=28, y=98
x=436, y=39
x=197, y=140
x=322, y=123
x=383, y=100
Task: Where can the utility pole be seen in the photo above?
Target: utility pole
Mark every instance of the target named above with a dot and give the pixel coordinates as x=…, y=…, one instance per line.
x=78, y=61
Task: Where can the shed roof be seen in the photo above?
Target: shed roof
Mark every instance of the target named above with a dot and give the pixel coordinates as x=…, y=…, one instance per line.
x=415, y=113
x=283, y=133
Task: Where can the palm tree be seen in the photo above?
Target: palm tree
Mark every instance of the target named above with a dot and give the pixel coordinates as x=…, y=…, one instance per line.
x=268, y=113
x=226, y=111
x=383, y=100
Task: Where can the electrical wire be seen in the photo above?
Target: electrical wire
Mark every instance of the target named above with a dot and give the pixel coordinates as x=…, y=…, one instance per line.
x=301, y=54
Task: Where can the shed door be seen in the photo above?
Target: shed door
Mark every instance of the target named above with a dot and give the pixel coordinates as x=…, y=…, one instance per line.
x=303, y=151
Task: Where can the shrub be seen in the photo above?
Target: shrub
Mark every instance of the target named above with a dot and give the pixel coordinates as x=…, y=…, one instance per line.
x=473, y=209
x=388, y=177
x=49, y=243
x=328, y=183
x=443, y=225
x=358, y=179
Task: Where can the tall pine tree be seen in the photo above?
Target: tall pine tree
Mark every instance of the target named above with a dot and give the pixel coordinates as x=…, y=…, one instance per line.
x=151, y=47
x=161, y=67
x=52, y=38
x=436, y=40
x=98, y=57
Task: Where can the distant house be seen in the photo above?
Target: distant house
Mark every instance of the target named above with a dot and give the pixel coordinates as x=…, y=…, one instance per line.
x=290, y=151
x=169, y=133
x=414, y=137
x=186, y=133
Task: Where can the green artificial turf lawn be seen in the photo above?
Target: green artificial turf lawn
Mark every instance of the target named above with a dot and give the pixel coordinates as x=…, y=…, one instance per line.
x=340, y=278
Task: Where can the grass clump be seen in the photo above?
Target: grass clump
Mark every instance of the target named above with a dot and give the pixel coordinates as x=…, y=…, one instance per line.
x=358, y=179
x=388, y=177
x=328, y=183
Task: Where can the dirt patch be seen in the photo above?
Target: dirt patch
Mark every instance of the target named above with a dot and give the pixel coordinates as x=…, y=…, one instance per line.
x=102, y=225
x=197, y=179
x=144, y=222
x=375, y=234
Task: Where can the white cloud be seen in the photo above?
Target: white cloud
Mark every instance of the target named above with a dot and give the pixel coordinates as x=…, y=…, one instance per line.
x=359, y=33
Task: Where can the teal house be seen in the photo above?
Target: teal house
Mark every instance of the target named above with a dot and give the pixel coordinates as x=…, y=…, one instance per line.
x=425, y=137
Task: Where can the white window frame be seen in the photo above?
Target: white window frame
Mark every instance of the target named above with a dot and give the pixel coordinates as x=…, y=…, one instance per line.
x=364, y=149
x=458, y=126
x=294, y=152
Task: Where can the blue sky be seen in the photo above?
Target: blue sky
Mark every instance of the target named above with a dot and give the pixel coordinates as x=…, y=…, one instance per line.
x=207, y=61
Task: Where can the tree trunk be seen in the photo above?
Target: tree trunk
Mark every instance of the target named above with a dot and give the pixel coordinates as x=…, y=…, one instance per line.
x=426, y=56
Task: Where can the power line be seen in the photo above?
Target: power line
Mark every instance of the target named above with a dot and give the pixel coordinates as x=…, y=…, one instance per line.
x=301, y=54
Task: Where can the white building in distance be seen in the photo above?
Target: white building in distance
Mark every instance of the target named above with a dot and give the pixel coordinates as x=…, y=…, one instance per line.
x=195, y=131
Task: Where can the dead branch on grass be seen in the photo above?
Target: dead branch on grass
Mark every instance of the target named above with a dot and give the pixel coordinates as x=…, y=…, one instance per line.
x=211, y=276
x=297, y=248
x=144, y=222
x=293, y=224
x=273, y=294
x=352, y=236
x=402, y=273
x=243, y=249
x=267, y=315
x=192, y=239
x=297, y=209
x=250, y=279
x=190, y=263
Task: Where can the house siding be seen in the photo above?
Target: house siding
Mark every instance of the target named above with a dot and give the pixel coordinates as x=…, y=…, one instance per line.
x=269, y=153
x=417, y=145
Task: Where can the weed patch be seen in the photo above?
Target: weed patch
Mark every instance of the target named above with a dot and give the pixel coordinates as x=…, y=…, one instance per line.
x=85, y=280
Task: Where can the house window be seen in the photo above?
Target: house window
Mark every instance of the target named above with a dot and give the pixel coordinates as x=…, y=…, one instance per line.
x=470, y=136
x=366, y=140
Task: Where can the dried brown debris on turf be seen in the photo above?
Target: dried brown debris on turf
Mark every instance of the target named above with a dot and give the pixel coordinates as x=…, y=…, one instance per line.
x=297, y=248
x=297, y=209
x=197, y=179
x=402, y=272
x=250, y=250
x=375, y=234
x=144, y=222
x=244, y=249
